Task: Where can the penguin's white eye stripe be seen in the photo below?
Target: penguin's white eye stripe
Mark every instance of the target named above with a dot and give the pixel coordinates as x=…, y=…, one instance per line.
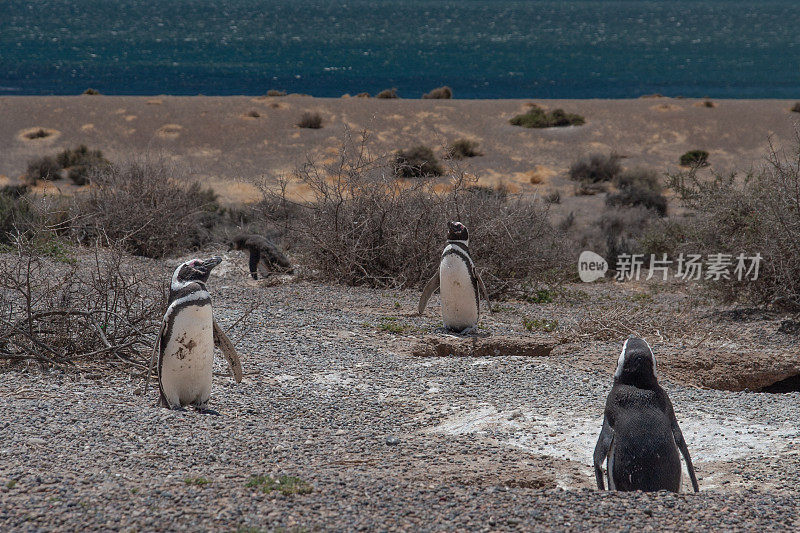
x=621, y=360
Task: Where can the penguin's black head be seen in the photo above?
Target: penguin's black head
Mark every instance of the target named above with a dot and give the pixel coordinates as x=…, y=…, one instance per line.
x=194, y=270
x=456, y=231
x=637, y=364
x=238, y=243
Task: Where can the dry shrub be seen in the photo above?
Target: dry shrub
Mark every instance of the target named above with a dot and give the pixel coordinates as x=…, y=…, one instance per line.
x=796, y=107
x=462, y=148
x=694, y=158
x=416, y=162
x=440, y=93
x=77, y=163
x=146, y=206
x=586, y=188
x=553, y=197
x=37, y=134
x=275, y=92
x=65, y=307
x=756, y=213
x=387, y=93
x=639, y=187
x=362, y=95
x=617, y=231
x=362, y=226
x=91, y=92
x=44, y=168
x=618, y=321
x=310, y=120
x=17, y=215
x=595, y=168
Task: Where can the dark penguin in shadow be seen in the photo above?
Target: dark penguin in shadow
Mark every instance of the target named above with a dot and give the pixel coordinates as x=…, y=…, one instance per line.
x=262, y=252
x=640, y=434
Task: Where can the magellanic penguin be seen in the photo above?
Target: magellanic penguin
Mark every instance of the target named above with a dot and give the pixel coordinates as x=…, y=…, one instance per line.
x=640, y=434
x=263, y=253
x=458, y=282
x=185, y=343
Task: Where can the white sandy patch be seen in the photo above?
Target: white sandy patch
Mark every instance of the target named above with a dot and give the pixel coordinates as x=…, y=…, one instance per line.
x=571, y=437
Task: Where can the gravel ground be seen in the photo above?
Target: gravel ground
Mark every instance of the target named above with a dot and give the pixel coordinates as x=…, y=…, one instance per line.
x=386, y=441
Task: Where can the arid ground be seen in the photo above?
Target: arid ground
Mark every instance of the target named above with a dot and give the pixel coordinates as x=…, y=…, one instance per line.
x=341, y=390
x=222, y=144
x=379, y=419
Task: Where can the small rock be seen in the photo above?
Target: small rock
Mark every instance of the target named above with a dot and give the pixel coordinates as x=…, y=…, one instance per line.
x=391, y=440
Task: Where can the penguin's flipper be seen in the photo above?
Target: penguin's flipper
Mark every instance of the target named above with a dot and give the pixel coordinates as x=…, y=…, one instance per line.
x=601, y=451
x=483, y=290
x=156, y=349
x=430, y=287
x=679, y=440
x=225, y=344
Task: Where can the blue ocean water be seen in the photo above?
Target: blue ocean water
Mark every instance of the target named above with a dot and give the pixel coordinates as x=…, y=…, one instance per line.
x=481, y=48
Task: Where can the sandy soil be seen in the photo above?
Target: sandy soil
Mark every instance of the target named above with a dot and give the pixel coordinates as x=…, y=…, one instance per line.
x=219, y=142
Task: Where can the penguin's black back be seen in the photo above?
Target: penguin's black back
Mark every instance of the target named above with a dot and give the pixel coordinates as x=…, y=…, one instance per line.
x=261, y=248
x=643, y=454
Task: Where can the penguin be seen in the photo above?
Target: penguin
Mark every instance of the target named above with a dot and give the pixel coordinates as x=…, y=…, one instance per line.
x=640, y=434
x=262, y=252
x=185, y=343
x=458, y=282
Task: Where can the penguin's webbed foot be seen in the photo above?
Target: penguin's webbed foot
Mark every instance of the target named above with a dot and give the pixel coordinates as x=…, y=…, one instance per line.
x=205, y=410
x=472, y=330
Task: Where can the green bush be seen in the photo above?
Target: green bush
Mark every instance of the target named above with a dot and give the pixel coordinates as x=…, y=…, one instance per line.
x=416, y=162
x=440, y=93
x=536, y=117
x=695, y=158
x=463, y=148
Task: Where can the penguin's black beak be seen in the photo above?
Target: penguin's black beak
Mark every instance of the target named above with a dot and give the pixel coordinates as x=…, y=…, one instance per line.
x=208, y=265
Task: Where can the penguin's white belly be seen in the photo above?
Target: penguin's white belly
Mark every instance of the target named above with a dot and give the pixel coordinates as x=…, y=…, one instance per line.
x=459, y=307
x=189, y=357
